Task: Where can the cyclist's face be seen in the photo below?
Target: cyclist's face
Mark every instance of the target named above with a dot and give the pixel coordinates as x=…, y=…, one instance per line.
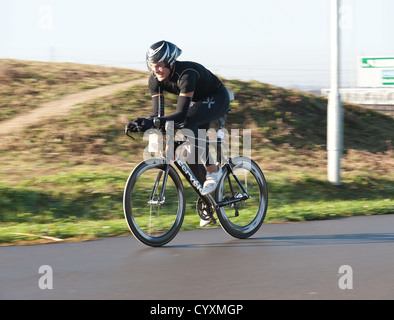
x=160, y=70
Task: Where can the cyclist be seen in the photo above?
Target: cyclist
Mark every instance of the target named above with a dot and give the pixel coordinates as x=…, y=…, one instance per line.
x=202, y=98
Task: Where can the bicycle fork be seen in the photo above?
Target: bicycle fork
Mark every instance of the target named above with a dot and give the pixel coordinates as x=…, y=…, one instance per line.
x=162, y=198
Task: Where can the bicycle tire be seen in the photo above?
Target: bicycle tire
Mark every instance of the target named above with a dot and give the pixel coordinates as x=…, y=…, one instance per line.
x=158, y=229
x=251, y=212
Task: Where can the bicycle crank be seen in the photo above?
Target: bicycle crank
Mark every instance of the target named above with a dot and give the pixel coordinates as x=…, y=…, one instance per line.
x=204, y=212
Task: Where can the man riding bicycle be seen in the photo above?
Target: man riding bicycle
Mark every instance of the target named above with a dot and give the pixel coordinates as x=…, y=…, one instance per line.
x=202, y=98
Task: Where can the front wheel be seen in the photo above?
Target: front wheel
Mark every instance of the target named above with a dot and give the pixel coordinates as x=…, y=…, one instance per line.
x=153, y=220
x=242, y=219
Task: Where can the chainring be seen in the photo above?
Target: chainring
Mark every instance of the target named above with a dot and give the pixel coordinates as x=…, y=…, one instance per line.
x=204, y=212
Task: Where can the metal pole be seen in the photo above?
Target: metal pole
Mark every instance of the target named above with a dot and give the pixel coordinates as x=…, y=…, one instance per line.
x=334, y=109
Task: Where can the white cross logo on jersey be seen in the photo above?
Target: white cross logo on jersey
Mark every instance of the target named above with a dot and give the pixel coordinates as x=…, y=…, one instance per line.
x=209, y=102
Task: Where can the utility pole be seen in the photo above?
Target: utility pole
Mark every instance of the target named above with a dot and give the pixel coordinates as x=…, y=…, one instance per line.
x=334, y=109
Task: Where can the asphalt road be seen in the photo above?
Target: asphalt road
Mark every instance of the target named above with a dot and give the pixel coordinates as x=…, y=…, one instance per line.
x=282, y=261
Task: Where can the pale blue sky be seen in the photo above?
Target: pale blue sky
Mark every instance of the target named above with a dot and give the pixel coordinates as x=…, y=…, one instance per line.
x=282, y=42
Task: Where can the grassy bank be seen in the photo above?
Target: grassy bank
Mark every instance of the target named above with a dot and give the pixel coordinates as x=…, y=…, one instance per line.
x=64, y=178
x=27, y=84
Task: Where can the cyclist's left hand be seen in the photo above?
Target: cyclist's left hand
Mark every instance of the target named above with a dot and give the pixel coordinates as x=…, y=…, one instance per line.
x=133, y=125
x=140, y=124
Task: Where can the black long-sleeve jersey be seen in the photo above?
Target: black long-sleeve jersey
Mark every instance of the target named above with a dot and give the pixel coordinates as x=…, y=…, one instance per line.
x=186, y=77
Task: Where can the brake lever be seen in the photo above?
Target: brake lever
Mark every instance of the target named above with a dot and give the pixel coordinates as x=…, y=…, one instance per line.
x=129, y=135
x=127, y=132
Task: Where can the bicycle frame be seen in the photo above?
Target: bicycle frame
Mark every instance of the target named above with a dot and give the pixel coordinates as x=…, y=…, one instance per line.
x=193, y=181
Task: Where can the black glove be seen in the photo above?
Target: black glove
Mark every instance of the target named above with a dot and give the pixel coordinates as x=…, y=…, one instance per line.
x=146, y=124
x=140, y=124
x=134, y=125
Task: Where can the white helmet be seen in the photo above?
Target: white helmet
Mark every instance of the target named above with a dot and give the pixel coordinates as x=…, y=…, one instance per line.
x=162, y=51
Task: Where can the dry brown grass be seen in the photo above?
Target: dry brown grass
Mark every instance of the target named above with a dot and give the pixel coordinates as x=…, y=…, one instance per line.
x=24, y=85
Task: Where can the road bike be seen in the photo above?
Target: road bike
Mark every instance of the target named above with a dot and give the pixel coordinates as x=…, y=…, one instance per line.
x=154, y=199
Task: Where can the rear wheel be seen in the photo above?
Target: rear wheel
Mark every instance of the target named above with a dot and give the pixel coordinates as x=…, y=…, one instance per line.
x=242, y=219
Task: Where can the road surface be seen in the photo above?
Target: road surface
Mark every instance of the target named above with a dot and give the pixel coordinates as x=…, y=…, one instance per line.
x=282, y=261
